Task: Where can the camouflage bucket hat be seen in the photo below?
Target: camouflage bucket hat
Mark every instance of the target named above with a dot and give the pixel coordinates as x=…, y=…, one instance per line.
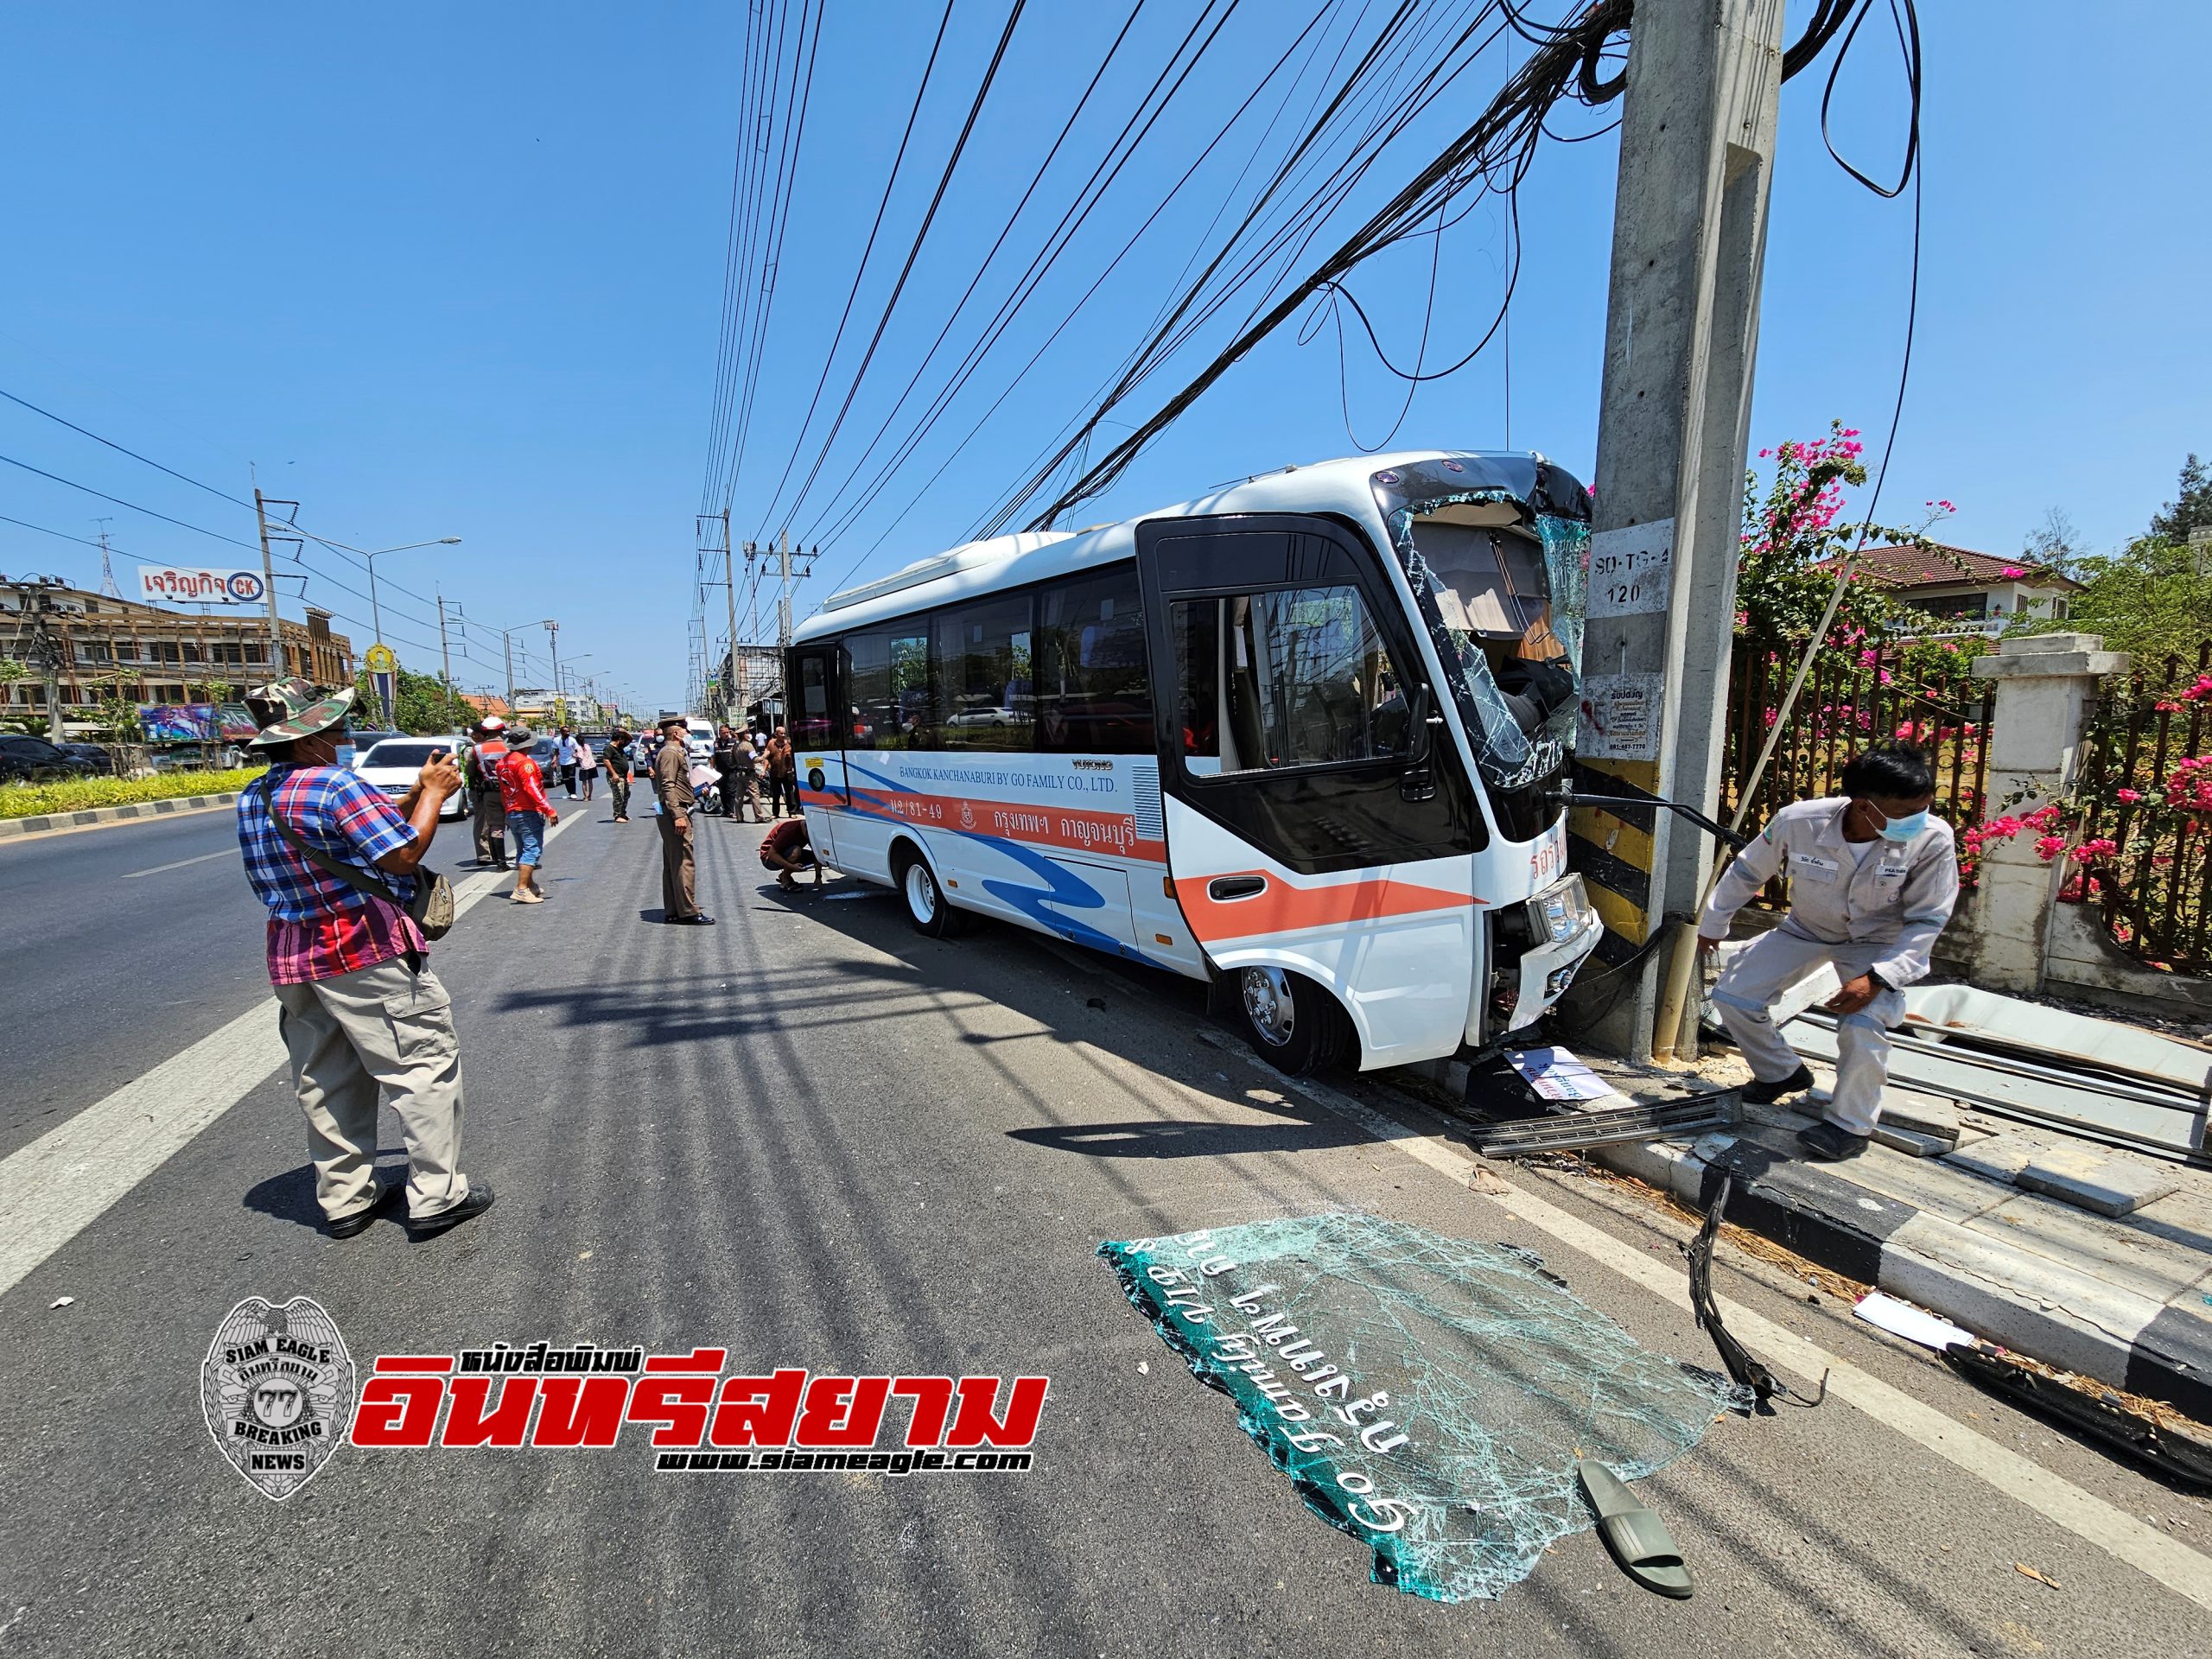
x=286, y=710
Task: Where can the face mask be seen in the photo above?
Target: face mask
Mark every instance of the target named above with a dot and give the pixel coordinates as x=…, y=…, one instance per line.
x=1905, y=828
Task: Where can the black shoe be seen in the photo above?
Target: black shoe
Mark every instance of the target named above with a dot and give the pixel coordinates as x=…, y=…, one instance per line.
x=1831, y=1142
x=477, y=1201
x=701, y=920
x=347, y=1226
x=1765, y=1093
x=501, y=864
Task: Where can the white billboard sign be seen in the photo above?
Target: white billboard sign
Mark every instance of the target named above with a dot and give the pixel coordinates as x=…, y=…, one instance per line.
x=157, y=582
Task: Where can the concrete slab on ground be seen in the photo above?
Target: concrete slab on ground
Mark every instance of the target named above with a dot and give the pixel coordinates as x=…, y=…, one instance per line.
x=2109, y=1182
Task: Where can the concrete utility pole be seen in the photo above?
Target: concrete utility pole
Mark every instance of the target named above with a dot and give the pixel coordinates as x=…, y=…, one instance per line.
x=729, y=582
x=269, y=587
x=445, y=657
x=1682, y=332
x=507, y=643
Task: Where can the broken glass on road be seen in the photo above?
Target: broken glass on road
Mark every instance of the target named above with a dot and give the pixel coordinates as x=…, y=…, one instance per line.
x=1427, y=1395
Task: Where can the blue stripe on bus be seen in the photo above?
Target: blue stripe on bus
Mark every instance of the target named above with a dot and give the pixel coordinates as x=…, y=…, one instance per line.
x=1063, y=886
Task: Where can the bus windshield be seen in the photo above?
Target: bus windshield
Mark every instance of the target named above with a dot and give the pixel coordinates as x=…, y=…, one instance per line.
x=1496, y=553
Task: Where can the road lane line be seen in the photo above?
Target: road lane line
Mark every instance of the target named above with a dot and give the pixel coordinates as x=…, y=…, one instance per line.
x=61, y=1183
x=222, y=852
x=2172, y=1563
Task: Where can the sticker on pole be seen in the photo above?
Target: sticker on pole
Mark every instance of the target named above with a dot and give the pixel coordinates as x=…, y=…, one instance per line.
x=277, y=1387
x=1427, y=1395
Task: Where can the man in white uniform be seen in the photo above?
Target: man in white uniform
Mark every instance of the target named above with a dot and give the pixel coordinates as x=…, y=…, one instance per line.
x=1872, y=878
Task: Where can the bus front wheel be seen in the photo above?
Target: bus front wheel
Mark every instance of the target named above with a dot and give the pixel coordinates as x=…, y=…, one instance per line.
x=1295, y=1024
x=925, y=902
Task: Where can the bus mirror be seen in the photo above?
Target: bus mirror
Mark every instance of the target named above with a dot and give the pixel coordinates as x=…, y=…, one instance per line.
x=1421, y=721
x=1418, y=781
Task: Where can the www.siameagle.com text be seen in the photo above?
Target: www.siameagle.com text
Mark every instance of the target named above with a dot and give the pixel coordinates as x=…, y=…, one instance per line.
x=877, y=1463
x=787, y=1421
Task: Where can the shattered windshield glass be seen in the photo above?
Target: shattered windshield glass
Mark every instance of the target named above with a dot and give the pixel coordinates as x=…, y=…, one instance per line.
x=1499, y=573
x=1426, y=1396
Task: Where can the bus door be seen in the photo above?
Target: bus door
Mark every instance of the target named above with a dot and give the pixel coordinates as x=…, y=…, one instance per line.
x=1319, y=821
x=815, y=680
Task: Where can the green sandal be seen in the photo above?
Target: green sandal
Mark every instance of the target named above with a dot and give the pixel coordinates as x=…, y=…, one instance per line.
x=1636, y=1536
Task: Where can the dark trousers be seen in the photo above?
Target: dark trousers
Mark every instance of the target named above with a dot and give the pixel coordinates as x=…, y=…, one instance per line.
x=569, y=781
x=676, y=876
x=729, y=789
x=491, y=826
x=619, y=788
x=782, y=792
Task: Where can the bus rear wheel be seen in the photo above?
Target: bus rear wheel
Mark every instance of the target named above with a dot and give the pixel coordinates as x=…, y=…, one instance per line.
x=925, y=903
x=1294, y=1024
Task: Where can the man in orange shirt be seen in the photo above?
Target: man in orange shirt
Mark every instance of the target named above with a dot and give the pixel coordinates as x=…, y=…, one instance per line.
x=523, y=789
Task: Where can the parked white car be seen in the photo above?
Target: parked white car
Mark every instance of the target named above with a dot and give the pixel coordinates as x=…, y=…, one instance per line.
x=394, y=763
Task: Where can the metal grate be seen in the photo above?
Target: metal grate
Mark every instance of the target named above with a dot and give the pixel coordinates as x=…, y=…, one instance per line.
x=1152, y=820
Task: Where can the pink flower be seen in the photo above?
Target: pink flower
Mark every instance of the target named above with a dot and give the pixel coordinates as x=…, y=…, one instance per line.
x=2012, y=572
x=2131, y=796
x=1869, y=656
x=2049, y=847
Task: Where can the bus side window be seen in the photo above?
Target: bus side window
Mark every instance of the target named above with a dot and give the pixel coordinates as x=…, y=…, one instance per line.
x=873, y=715
x=1093, y=688
x=982, y=662
x=1198, y=678
x=1288, y=677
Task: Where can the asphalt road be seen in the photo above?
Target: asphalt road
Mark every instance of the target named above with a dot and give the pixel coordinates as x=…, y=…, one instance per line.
x=817, y=1139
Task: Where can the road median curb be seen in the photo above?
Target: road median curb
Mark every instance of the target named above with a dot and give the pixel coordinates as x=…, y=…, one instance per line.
x=49, y=824
x=2012, y=1297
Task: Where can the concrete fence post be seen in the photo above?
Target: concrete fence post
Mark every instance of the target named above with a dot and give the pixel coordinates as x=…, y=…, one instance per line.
x=2044, y=682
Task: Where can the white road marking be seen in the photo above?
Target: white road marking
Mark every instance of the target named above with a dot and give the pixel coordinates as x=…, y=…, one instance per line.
x=58, y=1185
x=226, y=852
x=2172, y=1563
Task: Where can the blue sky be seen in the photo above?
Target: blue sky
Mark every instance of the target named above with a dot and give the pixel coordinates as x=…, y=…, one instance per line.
x=458, y=271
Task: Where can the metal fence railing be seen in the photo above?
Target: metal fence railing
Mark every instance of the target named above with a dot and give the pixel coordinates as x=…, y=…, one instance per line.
x=2139, y=792
x=1851, y=699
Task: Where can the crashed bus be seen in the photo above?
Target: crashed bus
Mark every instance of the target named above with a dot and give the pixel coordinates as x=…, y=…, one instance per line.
x=1303, y=738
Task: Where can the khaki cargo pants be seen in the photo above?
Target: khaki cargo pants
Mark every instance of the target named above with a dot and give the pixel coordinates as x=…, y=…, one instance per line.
x=378, y=1027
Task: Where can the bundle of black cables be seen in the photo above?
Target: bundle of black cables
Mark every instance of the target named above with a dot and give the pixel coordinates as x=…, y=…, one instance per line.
x=1743, y=1367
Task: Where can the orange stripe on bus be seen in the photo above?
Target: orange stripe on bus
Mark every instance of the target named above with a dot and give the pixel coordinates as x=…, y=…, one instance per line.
x=1283, y=908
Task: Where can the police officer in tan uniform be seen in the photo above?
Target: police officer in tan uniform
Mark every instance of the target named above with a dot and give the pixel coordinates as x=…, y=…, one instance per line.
x=672, y=788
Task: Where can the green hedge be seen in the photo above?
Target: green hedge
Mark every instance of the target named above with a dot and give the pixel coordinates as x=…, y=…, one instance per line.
x=81, y=794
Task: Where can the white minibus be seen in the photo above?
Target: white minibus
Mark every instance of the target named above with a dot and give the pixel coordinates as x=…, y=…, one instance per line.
x=1304, y=738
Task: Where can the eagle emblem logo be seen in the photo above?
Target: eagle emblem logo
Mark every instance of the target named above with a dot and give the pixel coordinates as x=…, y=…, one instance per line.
x=278, y=1388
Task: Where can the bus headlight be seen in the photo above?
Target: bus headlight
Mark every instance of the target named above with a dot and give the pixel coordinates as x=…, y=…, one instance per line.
x=1560, y=912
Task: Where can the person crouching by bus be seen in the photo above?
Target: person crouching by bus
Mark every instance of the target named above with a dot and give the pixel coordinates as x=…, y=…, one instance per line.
x=787, y=850
x=1872, y=880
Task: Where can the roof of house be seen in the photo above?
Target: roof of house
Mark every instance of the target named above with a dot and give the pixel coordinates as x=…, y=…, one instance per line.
x=1921, y=567
x=486, y=705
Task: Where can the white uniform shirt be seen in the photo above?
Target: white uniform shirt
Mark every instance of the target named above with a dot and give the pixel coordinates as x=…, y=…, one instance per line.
x=1899, y=893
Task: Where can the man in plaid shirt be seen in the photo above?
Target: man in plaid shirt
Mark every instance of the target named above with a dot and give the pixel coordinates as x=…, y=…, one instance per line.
x=358, y=1007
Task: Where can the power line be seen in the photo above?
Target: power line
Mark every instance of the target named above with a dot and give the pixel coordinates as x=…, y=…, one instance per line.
x=928, y=69
x=913, y=253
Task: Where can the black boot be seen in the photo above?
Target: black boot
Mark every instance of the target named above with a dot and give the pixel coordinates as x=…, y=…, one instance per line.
x=1765, y=1093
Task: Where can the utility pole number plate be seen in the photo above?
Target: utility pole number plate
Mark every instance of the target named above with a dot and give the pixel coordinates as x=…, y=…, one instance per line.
x=1631, y=570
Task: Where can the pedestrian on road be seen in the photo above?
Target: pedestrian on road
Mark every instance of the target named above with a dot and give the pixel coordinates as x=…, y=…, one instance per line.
x=788, y=849
x=566, y=755
x=1872, y=878
x=335, y=864
x=672, y=786
x=725, y=764
x=480, y=767
x=587, y=765
x=783, y=775
x=747, y=780
x=522, y=787
x=619, y=770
